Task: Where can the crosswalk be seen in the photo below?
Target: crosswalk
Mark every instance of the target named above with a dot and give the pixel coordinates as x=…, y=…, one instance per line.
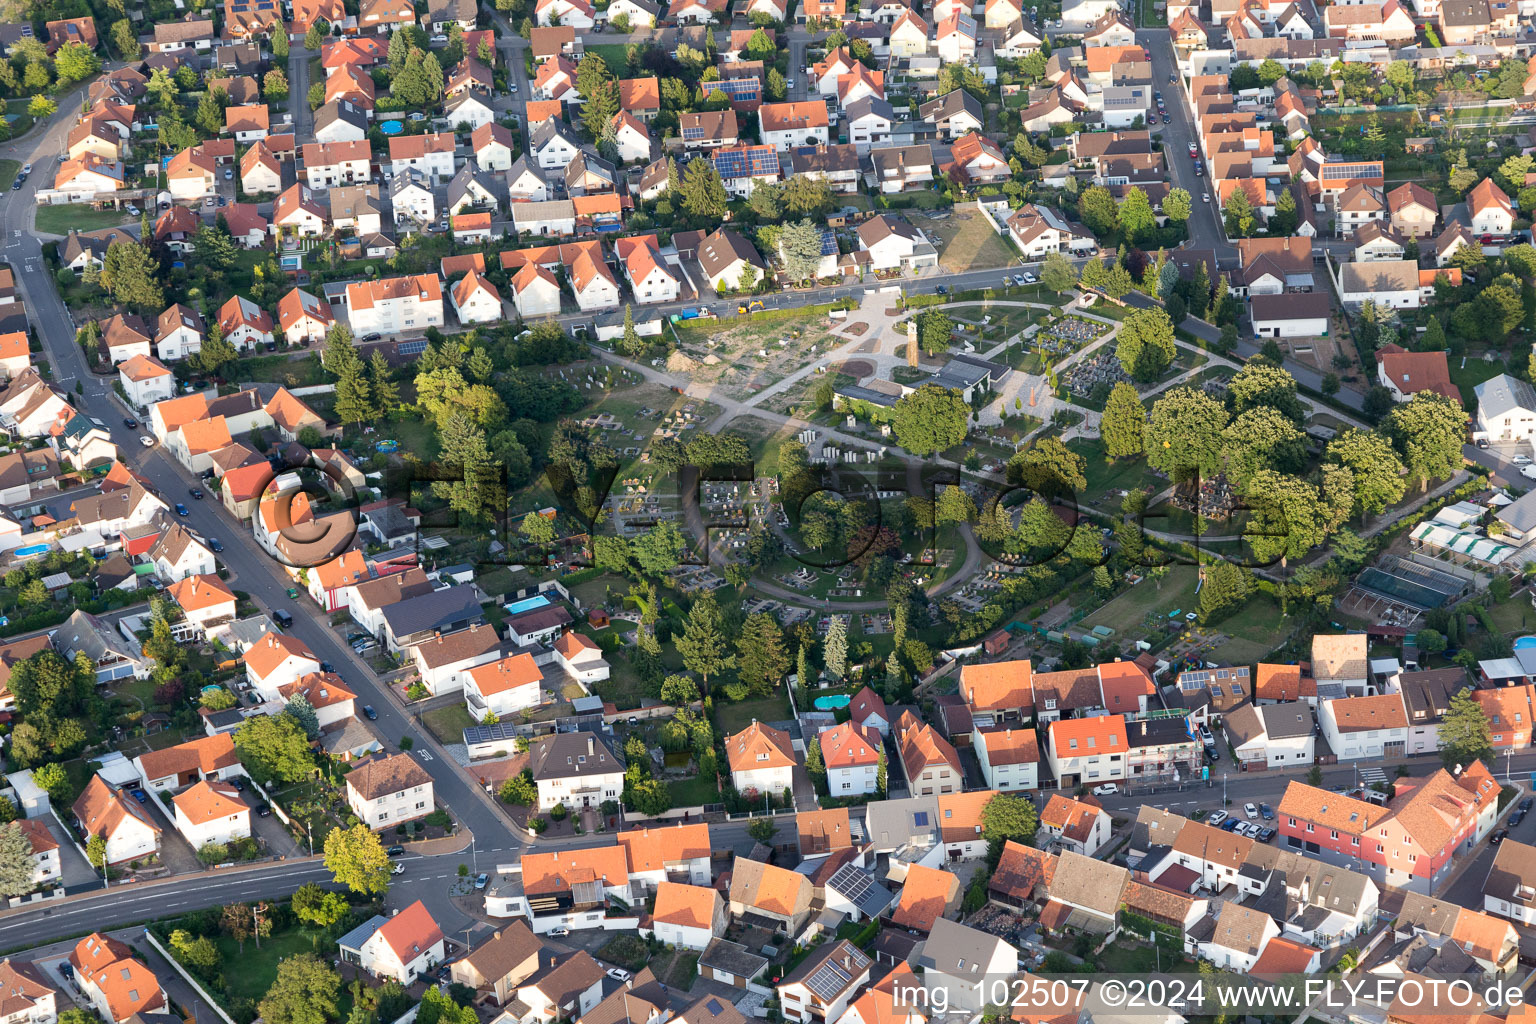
x=1373, y=776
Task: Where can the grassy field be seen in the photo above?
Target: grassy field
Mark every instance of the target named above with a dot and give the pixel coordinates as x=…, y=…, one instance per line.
x=968, y=242
x=279, y=369
x=448, y=723
x=57, y=220
x=258, y=966
x=1470, y=371
x=1147, y=600
x=694, y=792
x=1104, y=476
x=732, y=718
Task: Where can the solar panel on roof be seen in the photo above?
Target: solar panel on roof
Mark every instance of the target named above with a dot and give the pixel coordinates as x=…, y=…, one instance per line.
x=714, y=1007
x=692, y=134
x=412, y=348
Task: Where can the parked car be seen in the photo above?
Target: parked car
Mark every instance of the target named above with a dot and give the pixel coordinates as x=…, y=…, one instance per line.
x=282, y=618
x=1498, y=837
x=229, y=175
x=1231, y=824
x=1267, y=812
x=396, y=851
x=1266, y=833
x=1516, y=818
x=26, y=168
x=139, y=795
x=618, y=974
x=1215, y=818
x=215, y=545
x=182, y=510
x=263, y=811
x=1108, y=789
x=1029, y=278
x=369, y=713
x=197, y=493
x=558, y=933
x=326, y=666
x=398, y=869
x=130, y=423
x=481, y=879
x=1521, y=460
x=1205, y=734
x=1251, y=810
x=1526, y=804
x=1529, y=472
x=146, y=441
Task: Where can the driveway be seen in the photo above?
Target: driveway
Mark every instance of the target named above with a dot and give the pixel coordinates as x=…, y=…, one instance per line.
x=75, y=869
x=270, y=830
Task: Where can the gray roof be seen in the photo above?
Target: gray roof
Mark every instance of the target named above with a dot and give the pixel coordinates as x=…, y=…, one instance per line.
x=950, y=104
x=568, y=755
x=547, y=130
x=458, y=186
x=960, y=952
x=732, y=958
x=1504, y=394
x=1521, y=515
x=891, y=823
x=85, y=632
x=340, y=110
x=355, y=938
x=1287, y=721
x=438, y=610
x=1088, y=883
x=866, y=105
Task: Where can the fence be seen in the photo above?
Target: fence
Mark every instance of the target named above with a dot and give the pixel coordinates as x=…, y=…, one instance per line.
x=187, y=977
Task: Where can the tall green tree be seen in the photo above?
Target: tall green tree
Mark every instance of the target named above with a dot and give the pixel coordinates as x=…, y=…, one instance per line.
x=1057, y=274
x=1185, y=432
x=761, y=657
x=17, y=868
x=274, y=748
x=1145, y=346
x=356, y=859
x=382, y=386
x=306, y=991
x=930, y=419
x=834, y=649
x=703, y=194
x=1375, y=467
x=478, y=487
x=703, y=644
x=1428, y=431
x=1136, y=217
x=1465, y=734
x=1262, y=383
x=1123, y=422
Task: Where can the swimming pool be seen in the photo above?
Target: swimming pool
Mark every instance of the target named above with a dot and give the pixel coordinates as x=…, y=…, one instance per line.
x=31, y=549
x=1525, y=642
x=832, y=703
x=392, y=127
x=527, y=604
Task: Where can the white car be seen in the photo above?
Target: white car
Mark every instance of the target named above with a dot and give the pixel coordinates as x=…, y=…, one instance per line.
x=1521, y=460
x=1108, y=789
x=618, y=974
x=146, y=441
x=558, y=933
x=1029, y=278
x=398, y=869
x=1252, y=811
x=1529, y=472
x=1206, y=196
x=1215, y=818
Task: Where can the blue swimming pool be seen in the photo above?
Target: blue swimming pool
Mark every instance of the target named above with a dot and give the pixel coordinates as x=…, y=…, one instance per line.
x=832, y=703
x=32, y=549
x=527, y=604
x=1525, y=642
x=392, y=127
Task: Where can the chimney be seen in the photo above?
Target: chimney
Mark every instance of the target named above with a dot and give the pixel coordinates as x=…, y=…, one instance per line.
x=1143, y=726
x=847, y=962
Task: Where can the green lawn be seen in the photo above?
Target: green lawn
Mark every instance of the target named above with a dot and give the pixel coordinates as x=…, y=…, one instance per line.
x=1104, y=476
x=448, y=724
x=693, y=792
x=57, y=220
x=278, y=369
x=1146, y=600
x=23, y=122
x=258, y=966
x=732, y=718
x=615, y=55
x=1469, y=371
x=9, y=169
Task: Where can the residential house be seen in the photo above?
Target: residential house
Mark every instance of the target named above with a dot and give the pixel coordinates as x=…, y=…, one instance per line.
x=771, y=892
x=1081, y=825
x=116, y=985
x=127, y=828
x=1273, y=735
x=824, y=983
x=929, y=760
x=575, y=769
x=401, y=948
x=961, y=960
x=1087, y=751
x=387, y=791
x=689, y=916
x=852, y=755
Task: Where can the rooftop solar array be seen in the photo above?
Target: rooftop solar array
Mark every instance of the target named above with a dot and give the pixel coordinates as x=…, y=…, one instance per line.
x=831, y=978
x=739, y=90
x=747, y=162
x=412, y=348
